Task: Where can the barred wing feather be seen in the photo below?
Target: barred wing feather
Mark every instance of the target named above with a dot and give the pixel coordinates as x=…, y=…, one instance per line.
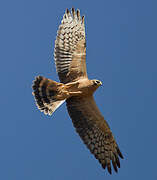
x=70, y=50
x=94, y=131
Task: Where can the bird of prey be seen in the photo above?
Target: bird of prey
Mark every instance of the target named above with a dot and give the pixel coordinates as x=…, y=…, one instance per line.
x=77, y=90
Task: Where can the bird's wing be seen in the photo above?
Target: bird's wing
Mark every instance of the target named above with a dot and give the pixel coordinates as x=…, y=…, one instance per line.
x=70, y=48
x=94, y=131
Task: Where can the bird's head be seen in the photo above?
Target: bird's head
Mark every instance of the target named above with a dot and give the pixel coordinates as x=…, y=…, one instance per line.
x=96, y=83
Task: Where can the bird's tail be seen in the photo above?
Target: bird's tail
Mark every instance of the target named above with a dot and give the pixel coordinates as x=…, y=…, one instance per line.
x=46, y=93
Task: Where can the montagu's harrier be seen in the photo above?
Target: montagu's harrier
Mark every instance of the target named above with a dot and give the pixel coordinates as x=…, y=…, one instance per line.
x=77, y=90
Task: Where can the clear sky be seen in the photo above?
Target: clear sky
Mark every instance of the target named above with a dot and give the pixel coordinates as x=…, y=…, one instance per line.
x=121, y=52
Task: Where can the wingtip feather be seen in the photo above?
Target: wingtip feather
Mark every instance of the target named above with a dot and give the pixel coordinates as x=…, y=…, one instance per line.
x=73, y=11
x=109, y=168
x=83, y=17
x=78, y=14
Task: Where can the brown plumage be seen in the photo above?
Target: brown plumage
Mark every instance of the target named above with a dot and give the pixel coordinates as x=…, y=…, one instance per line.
x=77, y=90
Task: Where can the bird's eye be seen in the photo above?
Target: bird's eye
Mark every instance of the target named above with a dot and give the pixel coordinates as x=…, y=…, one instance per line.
x=97, y=82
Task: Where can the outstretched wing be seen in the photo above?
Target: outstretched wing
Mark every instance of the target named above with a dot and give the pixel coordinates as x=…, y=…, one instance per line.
x=94, y=131
x=70, y=47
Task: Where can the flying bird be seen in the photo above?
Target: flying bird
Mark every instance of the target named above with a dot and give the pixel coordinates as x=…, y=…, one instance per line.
x=77, y=90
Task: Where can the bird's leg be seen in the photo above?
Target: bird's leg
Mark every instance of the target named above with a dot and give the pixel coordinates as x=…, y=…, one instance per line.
x=68, y=93
x=72, y=84
x=75, y=93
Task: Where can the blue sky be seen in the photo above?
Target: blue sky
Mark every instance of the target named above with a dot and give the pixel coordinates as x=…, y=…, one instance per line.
x=121, y=52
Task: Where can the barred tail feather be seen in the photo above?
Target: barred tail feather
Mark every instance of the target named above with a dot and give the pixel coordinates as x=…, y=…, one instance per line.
x=45, y=91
